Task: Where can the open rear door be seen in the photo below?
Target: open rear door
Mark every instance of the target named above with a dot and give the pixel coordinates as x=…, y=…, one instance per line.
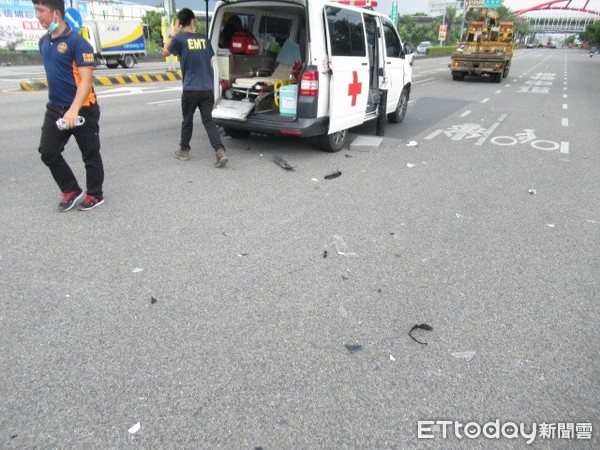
x=349, y=64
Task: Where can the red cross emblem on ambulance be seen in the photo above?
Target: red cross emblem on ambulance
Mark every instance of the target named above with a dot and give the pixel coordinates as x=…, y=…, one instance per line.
x=355, y=87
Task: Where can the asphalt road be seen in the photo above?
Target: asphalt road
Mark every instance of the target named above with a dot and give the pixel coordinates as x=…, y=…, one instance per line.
x=233, y=335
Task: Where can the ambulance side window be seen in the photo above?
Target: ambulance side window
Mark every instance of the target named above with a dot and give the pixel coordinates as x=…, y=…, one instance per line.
x=393, y=45
x=346, y=32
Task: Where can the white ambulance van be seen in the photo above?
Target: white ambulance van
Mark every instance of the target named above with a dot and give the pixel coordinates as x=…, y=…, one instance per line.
x=306, y=68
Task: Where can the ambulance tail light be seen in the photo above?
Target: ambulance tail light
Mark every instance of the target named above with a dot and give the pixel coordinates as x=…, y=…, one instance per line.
x=309, y=83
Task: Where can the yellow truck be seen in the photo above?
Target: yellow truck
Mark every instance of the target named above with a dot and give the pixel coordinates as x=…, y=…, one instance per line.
x=487, y=51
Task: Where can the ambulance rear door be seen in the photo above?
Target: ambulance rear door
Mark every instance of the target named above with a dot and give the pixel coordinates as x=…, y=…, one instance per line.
x=349, y=66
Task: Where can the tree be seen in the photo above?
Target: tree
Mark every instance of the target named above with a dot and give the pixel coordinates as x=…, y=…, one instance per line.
x=592, y=33
x=152, y=20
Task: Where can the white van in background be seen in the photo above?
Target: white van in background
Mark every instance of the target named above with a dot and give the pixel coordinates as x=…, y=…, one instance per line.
x=321, y=68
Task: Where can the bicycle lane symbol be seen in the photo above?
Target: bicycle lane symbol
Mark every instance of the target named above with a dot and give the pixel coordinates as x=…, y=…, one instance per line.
x=475, y=131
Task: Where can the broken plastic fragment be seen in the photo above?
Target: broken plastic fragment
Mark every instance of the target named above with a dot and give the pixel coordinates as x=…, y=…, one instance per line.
x=464, y=355
x=410, y=166
x=332, y=175
x=243, y=254
x=551, y=225
x=278, y=159
x=588, y=221
x=134, y=429
x=532, y=191
x=458, y=215
x=340, y=245
x=422, y=326
x=412, y=144
x=153, y=300
x=324, y=254
x=137, y=270
x=314, y=179
x=343, y=311
x=392, y=358
x=394, y=235
x=353, y=348
x=348, y=156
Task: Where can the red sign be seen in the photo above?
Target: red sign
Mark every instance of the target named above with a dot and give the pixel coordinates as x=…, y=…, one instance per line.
x=442, y=33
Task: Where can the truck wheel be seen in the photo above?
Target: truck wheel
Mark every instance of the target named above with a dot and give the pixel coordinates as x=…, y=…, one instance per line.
x=236, y=134
x=398, y=115
x=333, y=142
x=458, y=76
x=505, y=73
x=497, y=78
x=128, y=62
x=112, y=65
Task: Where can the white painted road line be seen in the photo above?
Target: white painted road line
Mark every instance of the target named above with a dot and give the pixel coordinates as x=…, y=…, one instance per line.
x=490, y=130
x=498, y=91
x=485, y=100
x=565, y=122
x=564, y=147
x=565, y=96
x=565, y=106
x=465, y=114
x=160, y=102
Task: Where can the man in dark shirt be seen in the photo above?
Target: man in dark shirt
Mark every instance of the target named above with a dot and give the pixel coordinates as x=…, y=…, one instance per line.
x=69, y=63
x=195, y=57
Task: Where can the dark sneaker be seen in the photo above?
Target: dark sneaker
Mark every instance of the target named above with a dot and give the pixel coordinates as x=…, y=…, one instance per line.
x=221, y=157
x=70, y=199
x=90, y=202
x=183, y=155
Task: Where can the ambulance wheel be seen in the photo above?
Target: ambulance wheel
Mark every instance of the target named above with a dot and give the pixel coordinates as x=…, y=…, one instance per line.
x=398, y=115
x=236, y=134
x=112, y=65
x=128, y=62
x=333, y=142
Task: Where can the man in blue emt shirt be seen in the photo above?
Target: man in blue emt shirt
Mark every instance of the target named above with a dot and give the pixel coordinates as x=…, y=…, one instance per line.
x=195, y=56
x=69, y=63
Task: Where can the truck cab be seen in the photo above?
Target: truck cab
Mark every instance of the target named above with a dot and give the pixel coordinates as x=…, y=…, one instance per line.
x=317, y=68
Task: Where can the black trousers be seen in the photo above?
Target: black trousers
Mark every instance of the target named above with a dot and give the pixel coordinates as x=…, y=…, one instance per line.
x=203, y=100
x=53, y=141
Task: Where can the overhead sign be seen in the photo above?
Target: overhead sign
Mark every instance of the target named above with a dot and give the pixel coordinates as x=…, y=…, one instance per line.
x=492, y=3
x=474, y=3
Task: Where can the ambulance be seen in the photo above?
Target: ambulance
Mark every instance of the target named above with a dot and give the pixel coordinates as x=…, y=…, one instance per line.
x=309, y=68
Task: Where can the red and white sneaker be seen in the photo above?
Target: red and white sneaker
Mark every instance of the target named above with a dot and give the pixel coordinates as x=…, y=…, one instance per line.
x=69, y=200
x=90, y=202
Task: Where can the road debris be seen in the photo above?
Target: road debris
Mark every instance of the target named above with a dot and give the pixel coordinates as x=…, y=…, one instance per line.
x=353, y=348
x=137, y=270
x=332, y=175
x=278, y=159
x=153, y=300
x=412, y=144
x=422, y=326
x=464, y=355
x=134, y=429
x=392, y=358
x=532, y=191
x=410, y=166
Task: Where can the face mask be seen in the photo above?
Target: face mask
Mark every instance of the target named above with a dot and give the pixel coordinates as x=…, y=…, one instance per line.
x=54, y=25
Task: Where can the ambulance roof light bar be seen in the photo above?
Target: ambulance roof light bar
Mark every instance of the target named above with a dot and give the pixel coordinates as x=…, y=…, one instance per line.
x=358, y=3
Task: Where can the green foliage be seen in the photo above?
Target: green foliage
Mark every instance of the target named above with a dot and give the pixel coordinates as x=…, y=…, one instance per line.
x=570, y=39
x=441, y=51
x=592, y=33
x=152, y=20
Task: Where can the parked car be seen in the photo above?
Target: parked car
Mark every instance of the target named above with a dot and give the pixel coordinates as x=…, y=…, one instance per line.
x=423, y=46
